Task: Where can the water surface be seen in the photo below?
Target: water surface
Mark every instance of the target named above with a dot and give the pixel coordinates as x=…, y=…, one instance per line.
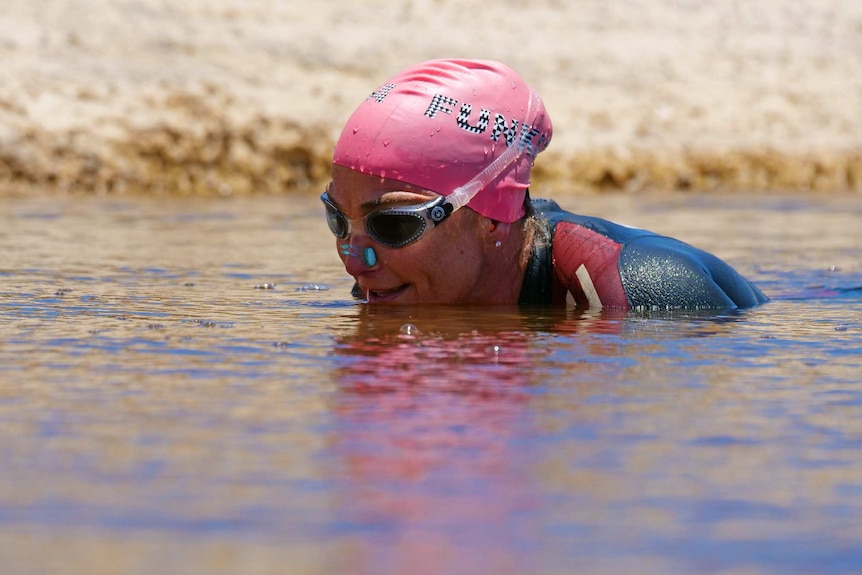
x=187, y=387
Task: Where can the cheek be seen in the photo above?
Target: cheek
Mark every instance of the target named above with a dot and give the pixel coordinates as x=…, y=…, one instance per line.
x=442, y=267
x=406, y=263
x=451, y=269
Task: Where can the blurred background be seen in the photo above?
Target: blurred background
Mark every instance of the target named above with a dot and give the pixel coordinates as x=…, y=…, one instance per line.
x=230, y=97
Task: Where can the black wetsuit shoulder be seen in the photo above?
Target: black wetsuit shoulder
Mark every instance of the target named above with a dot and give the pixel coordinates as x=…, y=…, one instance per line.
x=649, y=270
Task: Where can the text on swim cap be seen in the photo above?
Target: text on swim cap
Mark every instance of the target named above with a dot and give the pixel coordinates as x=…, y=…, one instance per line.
x=440, y=103
x=380, y=94
x=481, y=125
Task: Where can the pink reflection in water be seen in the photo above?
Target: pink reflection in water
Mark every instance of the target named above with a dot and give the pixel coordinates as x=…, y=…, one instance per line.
x=427, y=434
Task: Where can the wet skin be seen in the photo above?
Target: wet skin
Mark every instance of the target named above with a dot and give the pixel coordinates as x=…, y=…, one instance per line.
x=457, y=262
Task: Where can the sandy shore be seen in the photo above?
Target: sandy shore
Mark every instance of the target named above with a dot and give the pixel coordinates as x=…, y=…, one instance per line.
x=239, y=96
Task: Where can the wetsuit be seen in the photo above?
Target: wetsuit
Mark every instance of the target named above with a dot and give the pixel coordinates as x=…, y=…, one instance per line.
x=591, y=262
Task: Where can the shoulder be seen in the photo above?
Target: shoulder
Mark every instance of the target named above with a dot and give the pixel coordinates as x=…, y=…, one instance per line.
x=636, y=268
x=555, y=215
x=658, y=271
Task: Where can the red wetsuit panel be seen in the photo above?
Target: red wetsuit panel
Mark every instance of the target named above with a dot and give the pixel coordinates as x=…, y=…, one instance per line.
x=586, y=264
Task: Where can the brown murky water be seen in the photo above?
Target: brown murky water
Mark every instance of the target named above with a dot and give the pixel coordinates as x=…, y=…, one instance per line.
x=186, y=387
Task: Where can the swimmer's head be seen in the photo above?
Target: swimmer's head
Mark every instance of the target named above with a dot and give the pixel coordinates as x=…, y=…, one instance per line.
x=439, y=124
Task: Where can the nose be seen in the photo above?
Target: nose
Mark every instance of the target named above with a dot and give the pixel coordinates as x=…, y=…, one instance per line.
x=358, y=257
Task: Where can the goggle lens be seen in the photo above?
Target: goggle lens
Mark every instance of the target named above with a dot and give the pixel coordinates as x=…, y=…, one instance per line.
x=395, y=230
x=336, y=221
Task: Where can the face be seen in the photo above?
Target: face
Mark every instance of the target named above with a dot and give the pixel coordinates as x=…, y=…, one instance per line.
x=446, y=265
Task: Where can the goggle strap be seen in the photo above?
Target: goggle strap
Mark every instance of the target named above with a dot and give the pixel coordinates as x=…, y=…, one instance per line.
x=462, y=195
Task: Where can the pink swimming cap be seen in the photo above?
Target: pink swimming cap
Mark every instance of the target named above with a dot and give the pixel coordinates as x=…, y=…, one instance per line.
x=438, y=124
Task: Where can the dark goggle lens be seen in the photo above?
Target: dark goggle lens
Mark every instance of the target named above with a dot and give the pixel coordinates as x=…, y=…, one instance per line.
x=395, y=230
x=337, y=223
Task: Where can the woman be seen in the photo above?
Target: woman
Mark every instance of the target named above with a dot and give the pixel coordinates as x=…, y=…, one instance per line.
x=450, y=133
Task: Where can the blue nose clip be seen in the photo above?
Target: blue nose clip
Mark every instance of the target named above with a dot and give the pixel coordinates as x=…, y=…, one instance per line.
x=368, y=255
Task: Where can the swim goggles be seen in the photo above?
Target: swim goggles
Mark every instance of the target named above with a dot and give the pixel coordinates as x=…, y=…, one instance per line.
x=398, y=227
x=391, y=227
